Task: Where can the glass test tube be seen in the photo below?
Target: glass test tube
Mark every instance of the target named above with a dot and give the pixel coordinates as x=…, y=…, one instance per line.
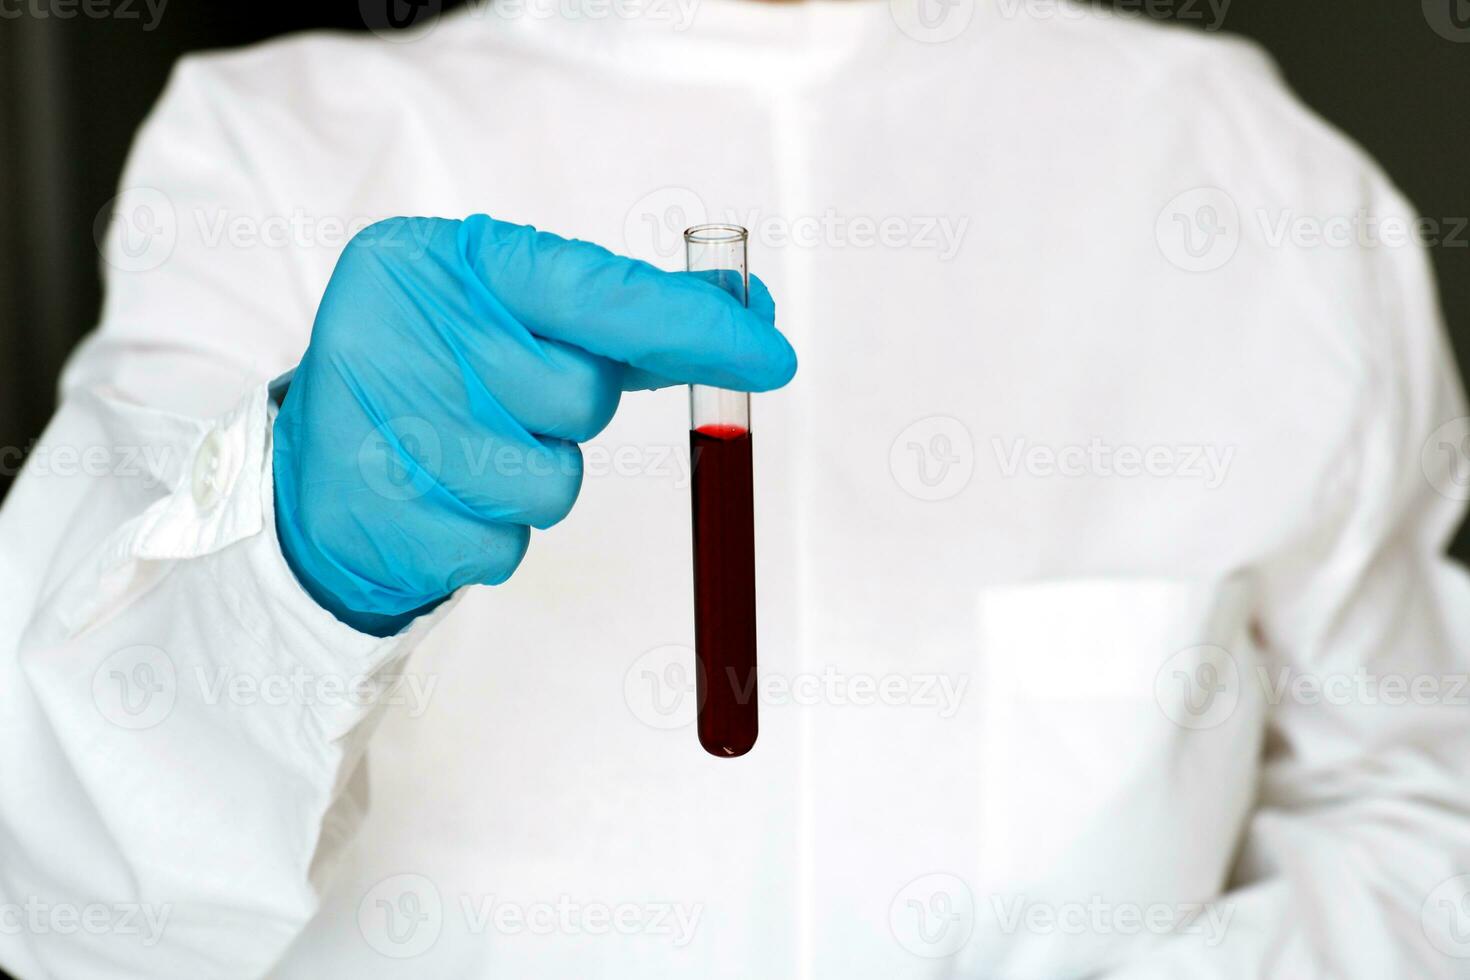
x=722, y=498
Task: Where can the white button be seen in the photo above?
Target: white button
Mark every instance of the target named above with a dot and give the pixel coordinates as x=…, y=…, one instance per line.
x=211, y=472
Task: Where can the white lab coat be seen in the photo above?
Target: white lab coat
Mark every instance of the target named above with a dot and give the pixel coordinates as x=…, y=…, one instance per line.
x=1062, y=519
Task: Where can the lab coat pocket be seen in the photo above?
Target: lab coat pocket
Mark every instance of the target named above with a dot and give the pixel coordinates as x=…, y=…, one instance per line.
x=1120, y=736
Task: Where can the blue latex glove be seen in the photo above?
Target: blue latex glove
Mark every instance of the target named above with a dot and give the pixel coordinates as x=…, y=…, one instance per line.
x=453, y=368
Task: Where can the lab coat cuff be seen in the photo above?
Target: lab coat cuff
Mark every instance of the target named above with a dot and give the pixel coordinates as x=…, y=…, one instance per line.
x=220, y=509
x=213, y=500
x=316, y=641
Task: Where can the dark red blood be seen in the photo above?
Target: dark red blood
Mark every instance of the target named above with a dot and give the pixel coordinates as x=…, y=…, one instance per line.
x=724, y=588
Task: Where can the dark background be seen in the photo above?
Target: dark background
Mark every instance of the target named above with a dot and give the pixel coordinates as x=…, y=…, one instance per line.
x=72, y=91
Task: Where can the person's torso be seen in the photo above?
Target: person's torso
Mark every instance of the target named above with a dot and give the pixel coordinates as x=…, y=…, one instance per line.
x=1009, y=517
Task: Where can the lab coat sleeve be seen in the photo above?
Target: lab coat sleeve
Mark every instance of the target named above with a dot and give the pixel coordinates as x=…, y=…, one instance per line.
x=1356, y=861
x=181, y=726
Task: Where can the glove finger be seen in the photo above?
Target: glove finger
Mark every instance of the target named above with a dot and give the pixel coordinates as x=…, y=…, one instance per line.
x=386, y=554
x=675, y=325
x=548, y=387
x=761, y=304
x=402, y=563
x=637, y=379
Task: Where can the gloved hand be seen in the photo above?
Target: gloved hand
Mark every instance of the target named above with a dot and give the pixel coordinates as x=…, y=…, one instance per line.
x=453, y=368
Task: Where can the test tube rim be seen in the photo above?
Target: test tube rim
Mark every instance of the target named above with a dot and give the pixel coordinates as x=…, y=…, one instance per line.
x=717, y=233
